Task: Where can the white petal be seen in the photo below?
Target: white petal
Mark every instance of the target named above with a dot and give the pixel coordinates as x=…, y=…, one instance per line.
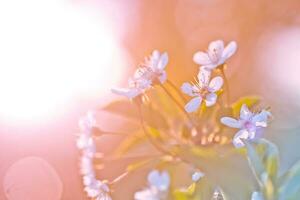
x=164, y=181
x=245, y=112
x=252, y=134
x=201, y=58
x=197, y=175
x=261, y=119
x=129, y=93
x=187, y=88
x=257, y=196
x=242, y=134
x=216, y=84
x=193, y=104
x=229, y=50
x=163, y=77
x=210, y=99
x=163, y=61
x=139, y=73
x=231, y=122
x=215, y=49
x=160, y=181
x=155, y=54
x=147, y=194
x=203, y=77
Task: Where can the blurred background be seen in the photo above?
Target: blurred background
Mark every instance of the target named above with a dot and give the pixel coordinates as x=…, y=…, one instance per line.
x=59, y=59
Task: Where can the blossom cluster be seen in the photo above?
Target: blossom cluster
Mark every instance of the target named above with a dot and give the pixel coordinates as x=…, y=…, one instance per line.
x=203, y=89
x=94, y=188
x=150, y=73
x=204, y=92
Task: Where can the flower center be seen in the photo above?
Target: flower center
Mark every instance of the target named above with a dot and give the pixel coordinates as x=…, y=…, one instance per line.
x=248, y=124
x=202, y=91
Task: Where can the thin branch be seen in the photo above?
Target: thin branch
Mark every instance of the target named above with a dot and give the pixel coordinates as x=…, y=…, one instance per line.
x=177, y=90
x=178, y=104
x=226, y=85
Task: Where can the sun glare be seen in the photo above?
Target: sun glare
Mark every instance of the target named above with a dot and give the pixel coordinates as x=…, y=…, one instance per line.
x=52, y=51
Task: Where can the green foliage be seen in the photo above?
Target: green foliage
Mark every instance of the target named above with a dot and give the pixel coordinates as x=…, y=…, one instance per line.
x=200, y=190
x=264, y=160
x=289, y=185
x=129, y=143
x=223, y=166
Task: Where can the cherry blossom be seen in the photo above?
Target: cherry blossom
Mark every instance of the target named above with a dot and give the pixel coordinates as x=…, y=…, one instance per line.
x=203, y=90
x=94, y=188
x=250, y=125
x=147, y=75
x=216, y=54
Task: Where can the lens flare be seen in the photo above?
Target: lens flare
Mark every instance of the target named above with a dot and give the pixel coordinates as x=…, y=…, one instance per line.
x=52, y=51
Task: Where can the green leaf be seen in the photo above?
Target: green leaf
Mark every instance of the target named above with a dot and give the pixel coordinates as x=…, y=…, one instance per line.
x=161, y=100
x=264, y=160
x=130, y=142
x=123, y=108
x=224, y=170
x=271, y=159
x=290, y=183
x=154, y=132
x=203, y=190
x=200, y=190
x=185, y=194
x=255, y=161
x=248, y=100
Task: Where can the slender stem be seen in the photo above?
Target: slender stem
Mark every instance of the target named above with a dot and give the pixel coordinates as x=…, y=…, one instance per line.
x=98, y=133
x=119, y=178
x=177, y=90
x=226, y=85
x=178, y=104
x=157, y=146
x=125, y=174
x=139, y=157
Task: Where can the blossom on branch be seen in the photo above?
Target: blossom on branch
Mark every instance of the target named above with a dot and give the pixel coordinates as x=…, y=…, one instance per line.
x=250, y=125
x=216, y=54
x=147, y=75
x=203, y=89
x=92, y=186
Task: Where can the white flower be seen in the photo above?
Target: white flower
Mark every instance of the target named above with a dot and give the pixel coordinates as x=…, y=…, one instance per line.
x=159, y=180
x=87, y=122
x=136, y=87
x=216, y=54
x=159, y=184
x=155, y=67
x=250, y=125
x=150, y=73
x=94, y=188
x=257, y=196
x=203, y=89
x=97, y=189
x=197, y=176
